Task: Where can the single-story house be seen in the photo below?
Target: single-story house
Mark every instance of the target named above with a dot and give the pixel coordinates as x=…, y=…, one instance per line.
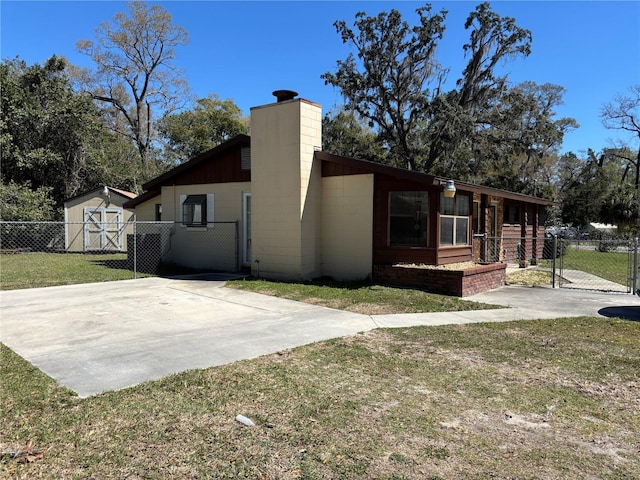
x=98, y=221
x=303, y=213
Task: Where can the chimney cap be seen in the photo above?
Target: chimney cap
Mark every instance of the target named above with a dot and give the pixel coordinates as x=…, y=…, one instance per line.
x=284, y=95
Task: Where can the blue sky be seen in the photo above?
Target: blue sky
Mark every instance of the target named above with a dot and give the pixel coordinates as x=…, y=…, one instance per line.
x=244, y=50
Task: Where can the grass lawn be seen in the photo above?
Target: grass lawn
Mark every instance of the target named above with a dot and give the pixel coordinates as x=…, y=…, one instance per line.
x=31, y=270
x=360, y=297
x=608, y=265
x=538, y=399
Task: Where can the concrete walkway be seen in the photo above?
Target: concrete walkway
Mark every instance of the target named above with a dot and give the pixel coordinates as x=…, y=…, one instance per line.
x=579, y=279
x=107, y=336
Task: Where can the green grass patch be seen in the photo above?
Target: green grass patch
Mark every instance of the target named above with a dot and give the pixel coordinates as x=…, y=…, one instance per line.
x=360, y=297
x=538, y=399
x=611, y=266
x=32, y=270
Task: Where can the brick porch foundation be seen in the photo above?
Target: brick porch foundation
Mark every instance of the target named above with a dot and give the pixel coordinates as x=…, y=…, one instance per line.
x=459, y=283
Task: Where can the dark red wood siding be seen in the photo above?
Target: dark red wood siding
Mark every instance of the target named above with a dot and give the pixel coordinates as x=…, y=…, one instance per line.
x=223, y=168
x=383, y=254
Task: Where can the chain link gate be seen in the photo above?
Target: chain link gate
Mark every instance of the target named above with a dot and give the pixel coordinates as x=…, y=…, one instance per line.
x=607, y=265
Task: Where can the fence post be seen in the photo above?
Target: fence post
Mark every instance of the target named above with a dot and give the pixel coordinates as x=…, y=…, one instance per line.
x=486, y=248
x=238, y=249
x=634, y=287
x=554, y=254
x=135, y=249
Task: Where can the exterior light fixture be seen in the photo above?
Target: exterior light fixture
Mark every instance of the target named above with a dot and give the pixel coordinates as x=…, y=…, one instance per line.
x=106, y=195
x=450, y=189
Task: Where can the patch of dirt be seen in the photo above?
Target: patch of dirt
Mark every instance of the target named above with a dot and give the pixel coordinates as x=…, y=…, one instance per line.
x=529, y=277
x=372, y=309
x=519, y=431
x=451, y=266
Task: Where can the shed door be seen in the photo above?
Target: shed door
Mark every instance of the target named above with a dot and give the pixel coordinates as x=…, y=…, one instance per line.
x=102, y=229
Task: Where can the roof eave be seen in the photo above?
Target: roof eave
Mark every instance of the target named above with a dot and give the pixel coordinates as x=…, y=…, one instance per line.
x=194, y=161
x=427, y=179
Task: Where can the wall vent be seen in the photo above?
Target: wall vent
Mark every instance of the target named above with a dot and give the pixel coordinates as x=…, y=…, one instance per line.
x=245, y=158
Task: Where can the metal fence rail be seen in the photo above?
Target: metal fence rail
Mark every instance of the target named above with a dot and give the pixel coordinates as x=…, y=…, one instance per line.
x=136, y=248
x=608, y=265
x=524, y=251
x=127, y=249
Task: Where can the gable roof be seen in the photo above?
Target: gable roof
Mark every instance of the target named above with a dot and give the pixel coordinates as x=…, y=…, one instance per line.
x=238, y=140
x=153, y=187
x=123, y=193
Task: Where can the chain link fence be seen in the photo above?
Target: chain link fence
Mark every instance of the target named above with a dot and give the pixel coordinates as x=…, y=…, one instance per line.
x=607, y=264
x=56, y=253
x=523, y=251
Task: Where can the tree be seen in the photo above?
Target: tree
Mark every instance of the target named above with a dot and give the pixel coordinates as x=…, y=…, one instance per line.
x=395, y=79
x=584, y=183
x=45, y=128
x=210, y=123
x=621, y=207
x=344, y=134
x=19, y=202
x=493, y=39
x=113, y=161
x=520, y=141
x=135, y=74
x=624, y=114
x=396, y=83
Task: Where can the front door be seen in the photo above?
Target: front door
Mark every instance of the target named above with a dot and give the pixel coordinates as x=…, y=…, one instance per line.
x=246, y=229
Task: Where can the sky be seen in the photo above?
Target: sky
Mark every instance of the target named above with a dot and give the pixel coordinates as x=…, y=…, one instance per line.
x=244, y=50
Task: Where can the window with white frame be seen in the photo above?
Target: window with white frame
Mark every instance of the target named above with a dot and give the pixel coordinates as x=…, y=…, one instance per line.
x=197, y=210
x=454, y=220
x=408, y=218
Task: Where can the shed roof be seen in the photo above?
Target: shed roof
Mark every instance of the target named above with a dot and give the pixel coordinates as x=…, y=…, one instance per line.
x=98, y=190
x=141, y=198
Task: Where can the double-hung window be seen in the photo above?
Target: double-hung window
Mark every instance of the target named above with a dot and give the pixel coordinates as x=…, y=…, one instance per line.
x=454, y=220
x=408, y=218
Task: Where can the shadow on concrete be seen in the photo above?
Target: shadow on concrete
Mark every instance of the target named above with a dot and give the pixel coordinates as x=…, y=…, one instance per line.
x=209, y=276
x=625, y=312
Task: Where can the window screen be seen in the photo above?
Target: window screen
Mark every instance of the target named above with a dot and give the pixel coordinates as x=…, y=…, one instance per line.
x=408, y=218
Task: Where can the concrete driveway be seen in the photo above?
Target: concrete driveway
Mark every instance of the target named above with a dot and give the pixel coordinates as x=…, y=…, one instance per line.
x=106, y=336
